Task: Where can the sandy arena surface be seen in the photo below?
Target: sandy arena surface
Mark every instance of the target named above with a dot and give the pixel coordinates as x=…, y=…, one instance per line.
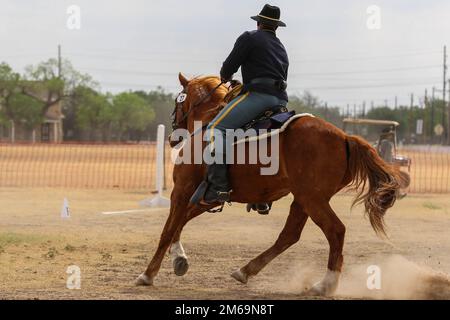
x=37, y=246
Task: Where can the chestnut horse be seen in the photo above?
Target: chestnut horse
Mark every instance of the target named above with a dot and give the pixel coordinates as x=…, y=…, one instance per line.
x=316, y=160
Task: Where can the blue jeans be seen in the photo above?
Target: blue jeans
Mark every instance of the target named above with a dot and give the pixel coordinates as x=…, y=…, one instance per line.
x=241, y=111
x=244, y=109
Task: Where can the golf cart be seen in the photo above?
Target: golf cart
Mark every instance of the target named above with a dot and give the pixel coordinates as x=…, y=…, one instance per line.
x=382, y=134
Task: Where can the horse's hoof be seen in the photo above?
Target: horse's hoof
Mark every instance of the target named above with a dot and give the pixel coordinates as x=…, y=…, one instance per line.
x=321, y=290
x=180, y=266
x=144, y=280
x=240, y=276
x=327, y=287
x=316, y=291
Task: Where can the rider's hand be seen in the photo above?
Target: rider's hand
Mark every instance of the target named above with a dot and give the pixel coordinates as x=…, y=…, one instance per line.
x=234, y=83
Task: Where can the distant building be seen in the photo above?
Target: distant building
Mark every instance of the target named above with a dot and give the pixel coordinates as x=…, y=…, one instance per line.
x=50, y=130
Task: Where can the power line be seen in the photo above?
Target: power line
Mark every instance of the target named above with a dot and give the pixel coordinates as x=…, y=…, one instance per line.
x=367, y=57
x=370, y=71
x=291, y=75
x=150, y=59
x=171, y=74
x=182, y=57
x=218, y=61
x=125, y=84
x=132, y=72
x=365, y=86
x=140, y=85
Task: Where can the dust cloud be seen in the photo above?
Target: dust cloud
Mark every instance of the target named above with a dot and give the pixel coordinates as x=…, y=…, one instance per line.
x=399, y=279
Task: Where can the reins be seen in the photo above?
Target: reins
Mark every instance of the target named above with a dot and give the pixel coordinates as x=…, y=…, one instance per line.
x=185, y=115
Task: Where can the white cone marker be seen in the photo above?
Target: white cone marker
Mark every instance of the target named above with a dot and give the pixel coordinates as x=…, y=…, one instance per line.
x=65, y=211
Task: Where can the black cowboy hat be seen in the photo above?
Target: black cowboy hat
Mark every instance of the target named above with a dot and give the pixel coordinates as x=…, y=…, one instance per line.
x=270, y=15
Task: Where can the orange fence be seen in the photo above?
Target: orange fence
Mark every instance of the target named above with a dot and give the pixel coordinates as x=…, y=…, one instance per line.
x=76, y=165
x=133, y=166
x=430, y=168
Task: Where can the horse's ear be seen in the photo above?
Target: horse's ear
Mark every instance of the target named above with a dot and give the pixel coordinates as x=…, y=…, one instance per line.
x=183, y=81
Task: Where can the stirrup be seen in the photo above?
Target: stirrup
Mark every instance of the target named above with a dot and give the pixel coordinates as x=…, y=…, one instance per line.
x=261, y=208
x=222, y=197
x=218, y=210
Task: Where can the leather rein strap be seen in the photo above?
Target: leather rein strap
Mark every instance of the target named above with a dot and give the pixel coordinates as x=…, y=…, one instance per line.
x=186, y=114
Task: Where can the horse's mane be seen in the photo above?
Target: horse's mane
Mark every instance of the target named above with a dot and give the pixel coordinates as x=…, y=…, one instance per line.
x=202, y=85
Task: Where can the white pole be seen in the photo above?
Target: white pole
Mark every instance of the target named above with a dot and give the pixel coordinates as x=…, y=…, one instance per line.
x=159, y=200
x=55, y=132
x=13, y=132
x=160, y=159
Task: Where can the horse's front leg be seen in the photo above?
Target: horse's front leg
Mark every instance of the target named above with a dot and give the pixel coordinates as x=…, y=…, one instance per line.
x=177, y=253
x=177, y=217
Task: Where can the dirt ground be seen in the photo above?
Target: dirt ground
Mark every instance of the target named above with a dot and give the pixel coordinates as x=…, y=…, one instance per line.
x=37, y=246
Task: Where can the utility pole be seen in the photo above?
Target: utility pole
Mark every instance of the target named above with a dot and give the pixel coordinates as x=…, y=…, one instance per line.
x=364, y=110
x=354, y=110
x=444, y=82
x=348, y=110
x=425, y=103
x=432, y=113
x=448, y=112
x=59, y=61
x=411, y=118
x=395, y=104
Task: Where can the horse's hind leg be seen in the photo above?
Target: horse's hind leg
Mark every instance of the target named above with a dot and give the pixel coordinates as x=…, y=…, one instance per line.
x=323, y=215
x=288, y=236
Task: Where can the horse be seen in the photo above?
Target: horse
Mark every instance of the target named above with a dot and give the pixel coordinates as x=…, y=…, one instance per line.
x=316, y=161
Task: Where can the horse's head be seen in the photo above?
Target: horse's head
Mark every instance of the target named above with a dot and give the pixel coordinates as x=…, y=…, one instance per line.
x=199, y=100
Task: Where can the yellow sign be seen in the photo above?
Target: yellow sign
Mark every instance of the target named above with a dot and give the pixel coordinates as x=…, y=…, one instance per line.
x=438, y=129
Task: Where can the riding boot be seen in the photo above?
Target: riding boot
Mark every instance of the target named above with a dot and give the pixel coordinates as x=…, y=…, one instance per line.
x=218, y=187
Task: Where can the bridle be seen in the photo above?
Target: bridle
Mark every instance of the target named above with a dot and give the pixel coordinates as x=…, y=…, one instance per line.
x=179, y=106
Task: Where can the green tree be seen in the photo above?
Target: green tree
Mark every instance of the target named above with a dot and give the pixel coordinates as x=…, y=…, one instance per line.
x=8, y=87
x=163, y=105
x=93, y=112
x=308, y=103
x=45, y=77
x=16, y=106
x=26, y=110
x=130, y=112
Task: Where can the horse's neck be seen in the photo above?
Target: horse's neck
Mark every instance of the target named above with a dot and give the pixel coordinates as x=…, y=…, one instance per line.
x=211, y=112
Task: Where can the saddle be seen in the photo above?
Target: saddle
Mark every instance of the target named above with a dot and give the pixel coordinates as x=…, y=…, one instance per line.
x=272, y=119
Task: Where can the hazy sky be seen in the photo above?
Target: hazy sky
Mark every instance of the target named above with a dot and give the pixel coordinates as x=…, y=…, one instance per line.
x=140, y=44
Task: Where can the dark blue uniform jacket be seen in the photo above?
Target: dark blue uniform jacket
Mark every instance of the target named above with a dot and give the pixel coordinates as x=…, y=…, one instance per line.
x=260, y=54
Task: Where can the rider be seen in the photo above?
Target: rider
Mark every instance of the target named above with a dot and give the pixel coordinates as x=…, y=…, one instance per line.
x=386, y=145
x=264, y=65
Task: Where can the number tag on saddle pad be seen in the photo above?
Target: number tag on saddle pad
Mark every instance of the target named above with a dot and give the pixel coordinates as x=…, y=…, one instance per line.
x=181, y=97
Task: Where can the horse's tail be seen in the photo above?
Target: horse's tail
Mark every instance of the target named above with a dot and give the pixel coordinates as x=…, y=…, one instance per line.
x=365, y=165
